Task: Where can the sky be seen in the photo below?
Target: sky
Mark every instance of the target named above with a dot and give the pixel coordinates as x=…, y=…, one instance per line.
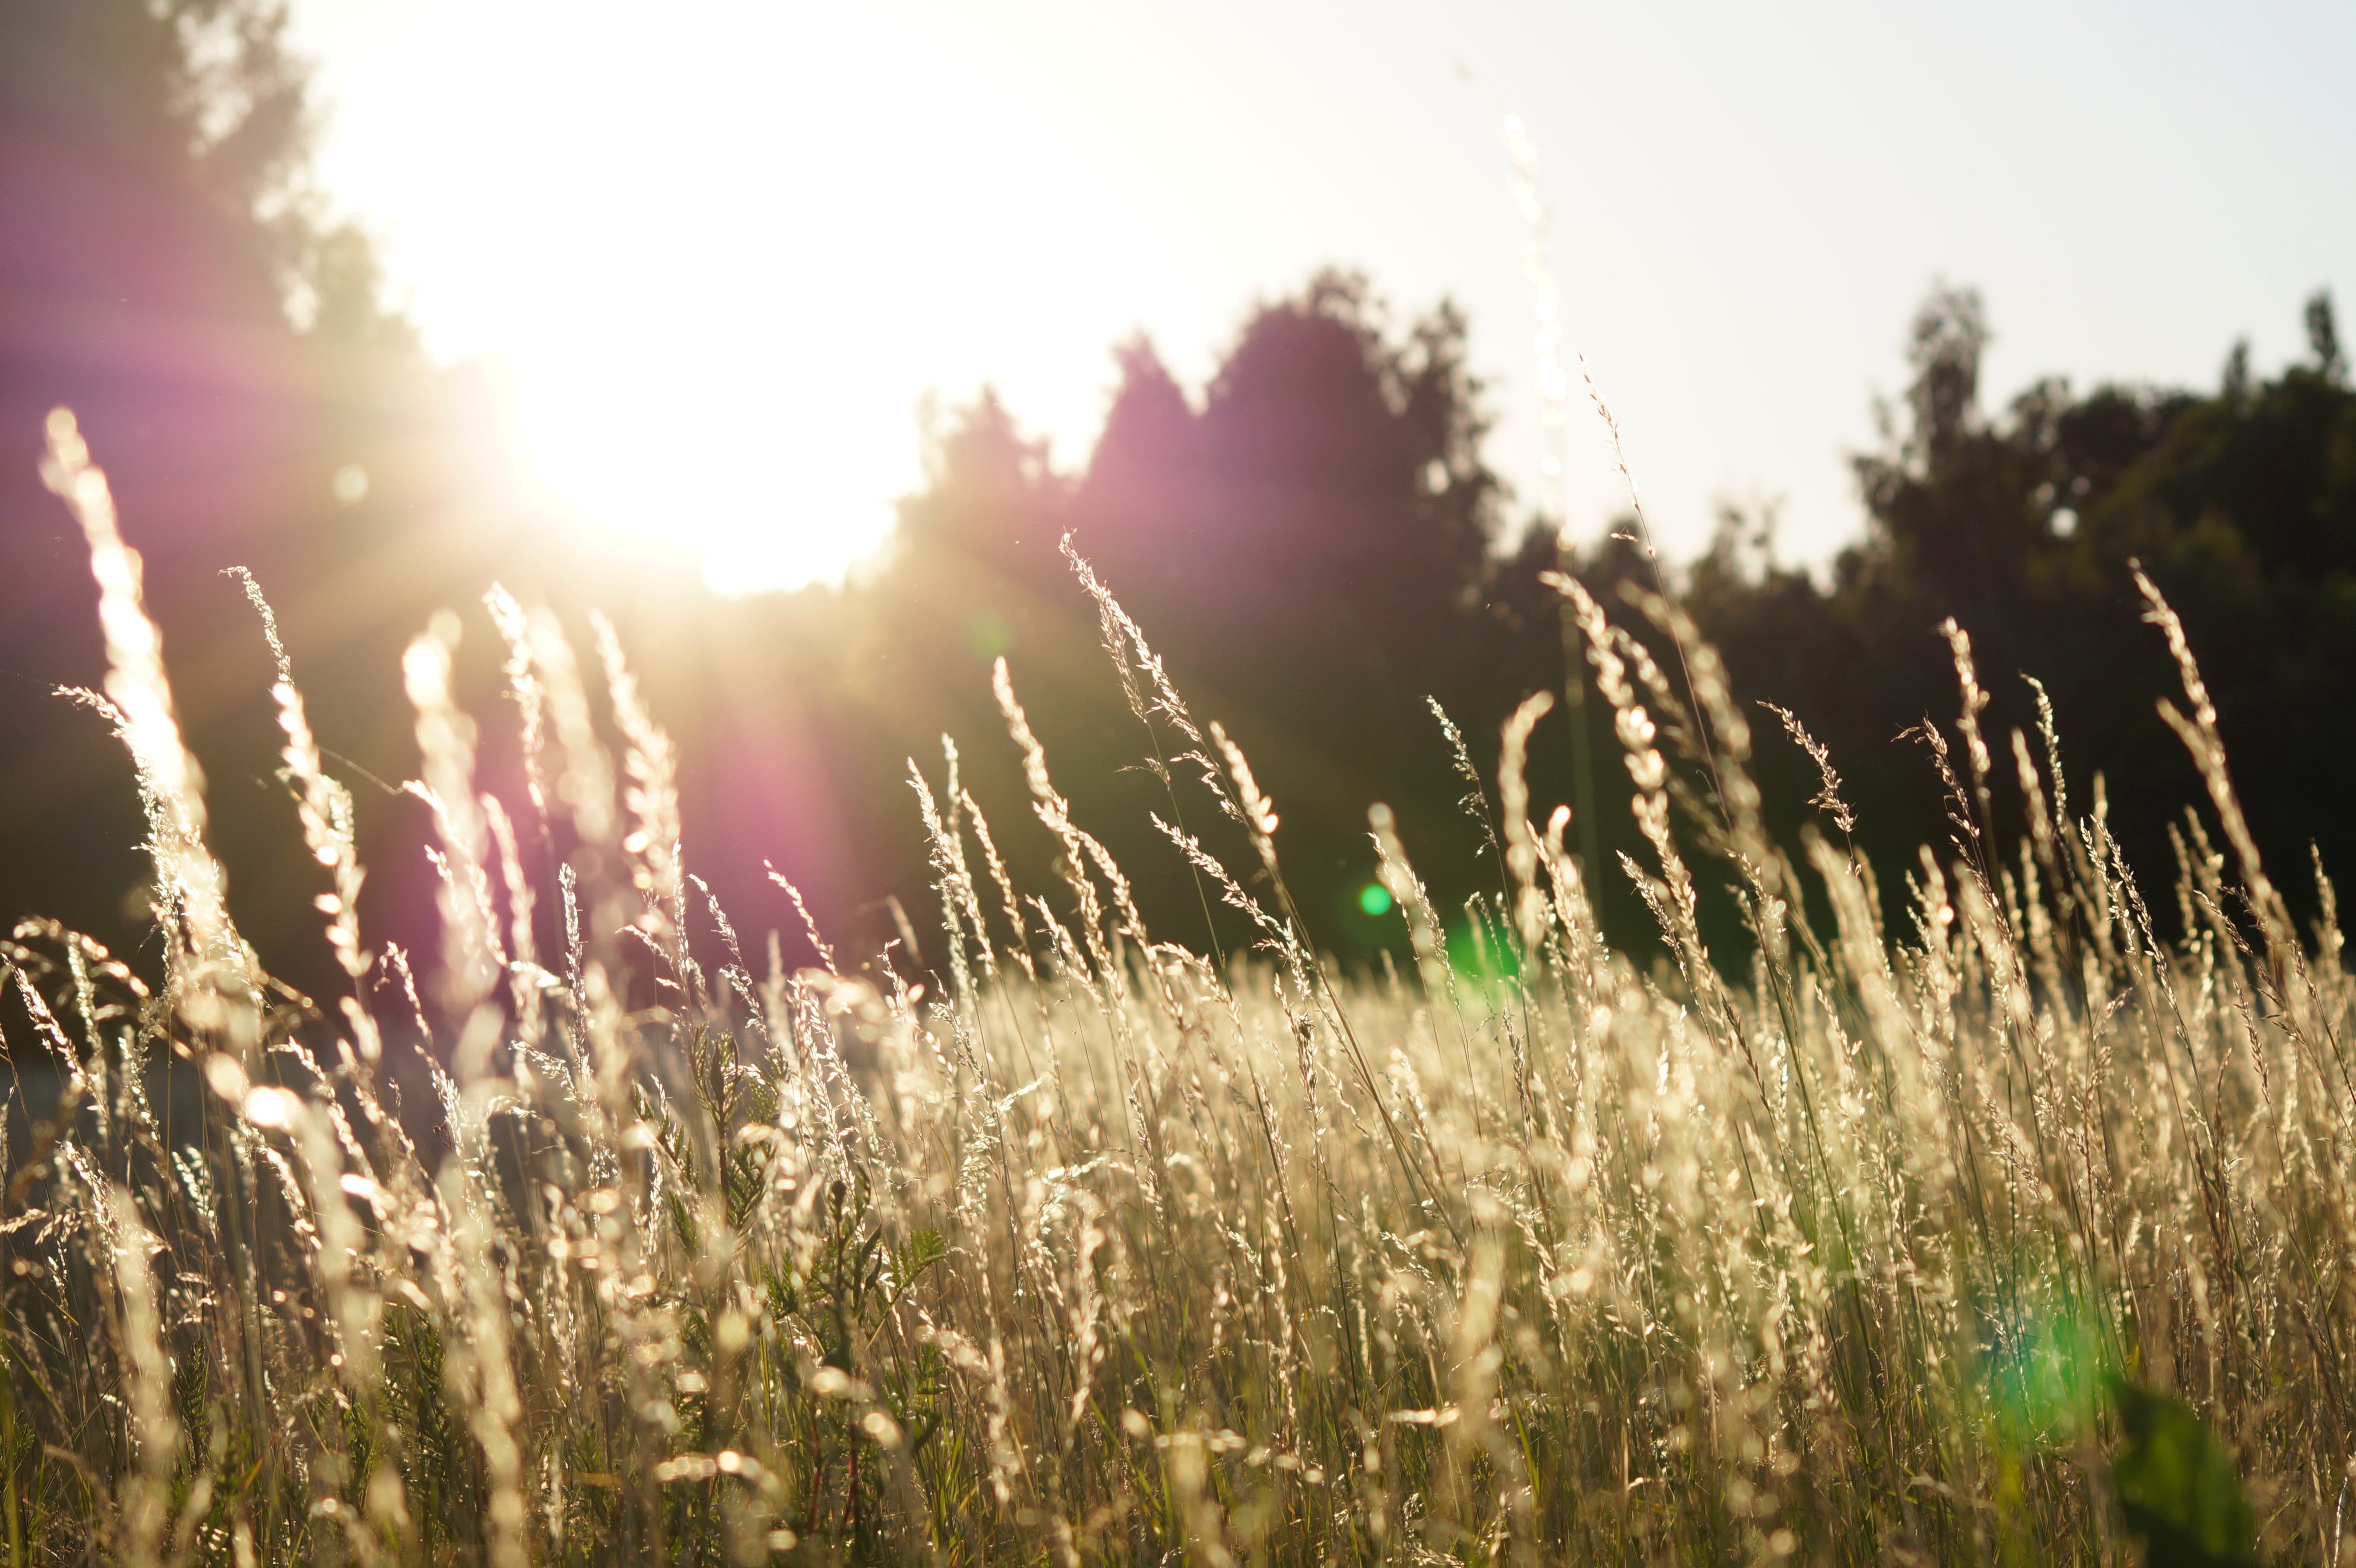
x=729, y=259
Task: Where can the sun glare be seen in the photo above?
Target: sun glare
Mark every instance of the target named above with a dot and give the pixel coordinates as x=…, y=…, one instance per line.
x=823, y=225
x=769, y=488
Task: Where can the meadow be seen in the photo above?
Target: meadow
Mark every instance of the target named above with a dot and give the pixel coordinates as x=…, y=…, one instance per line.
x=1972, y=1212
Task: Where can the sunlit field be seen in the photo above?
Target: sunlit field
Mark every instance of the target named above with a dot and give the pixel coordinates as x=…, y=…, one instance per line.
x=2000, y=1233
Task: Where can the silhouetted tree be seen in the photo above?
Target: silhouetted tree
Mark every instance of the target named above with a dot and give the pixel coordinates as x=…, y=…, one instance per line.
x=2323, y=338
x=2243, y=505
x=169, y=274
x=1308, y=550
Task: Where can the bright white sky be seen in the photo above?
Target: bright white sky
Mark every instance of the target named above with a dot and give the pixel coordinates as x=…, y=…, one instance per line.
x=725, y=249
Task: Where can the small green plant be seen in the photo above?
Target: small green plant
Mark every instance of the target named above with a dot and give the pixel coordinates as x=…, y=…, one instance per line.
x=2177, y=1486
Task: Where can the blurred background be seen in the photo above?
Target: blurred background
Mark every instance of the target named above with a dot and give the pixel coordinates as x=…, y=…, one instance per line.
x=796, y=338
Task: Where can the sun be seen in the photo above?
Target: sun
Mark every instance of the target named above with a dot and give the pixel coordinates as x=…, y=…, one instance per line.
x=722, y=262
x=770, y=485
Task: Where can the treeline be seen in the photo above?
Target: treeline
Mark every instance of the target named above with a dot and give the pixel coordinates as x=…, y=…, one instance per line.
x=1314, y=549
x=2240, y=503
x=170, y=271
x=1313, y=543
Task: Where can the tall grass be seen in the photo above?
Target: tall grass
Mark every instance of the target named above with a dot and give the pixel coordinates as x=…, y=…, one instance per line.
x=1873, y=1247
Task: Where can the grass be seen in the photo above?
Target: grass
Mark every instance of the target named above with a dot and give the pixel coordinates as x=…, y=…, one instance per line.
x=2013, y=1234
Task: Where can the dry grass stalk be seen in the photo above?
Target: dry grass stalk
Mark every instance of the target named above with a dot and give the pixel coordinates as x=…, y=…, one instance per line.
x=1112, y=1252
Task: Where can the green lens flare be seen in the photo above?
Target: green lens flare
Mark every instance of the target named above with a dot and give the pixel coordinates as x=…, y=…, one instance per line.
x=1375, y=899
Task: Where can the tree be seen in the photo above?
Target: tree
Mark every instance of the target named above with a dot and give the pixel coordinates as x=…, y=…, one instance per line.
x=2323, y=338
x=172, y=275
x=1307, y=548
x=1310, y=548
x=1329, y=493
x=2241, y=506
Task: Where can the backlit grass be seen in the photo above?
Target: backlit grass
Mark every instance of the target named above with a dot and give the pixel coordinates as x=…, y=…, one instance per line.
x=1871, y=1244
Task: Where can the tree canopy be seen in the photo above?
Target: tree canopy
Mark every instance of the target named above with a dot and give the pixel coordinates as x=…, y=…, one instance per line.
x=2022, y=526
x=1308, y=546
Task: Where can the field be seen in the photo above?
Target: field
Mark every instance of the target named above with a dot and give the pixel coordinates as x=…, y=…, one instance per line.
x=2006, y=1232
